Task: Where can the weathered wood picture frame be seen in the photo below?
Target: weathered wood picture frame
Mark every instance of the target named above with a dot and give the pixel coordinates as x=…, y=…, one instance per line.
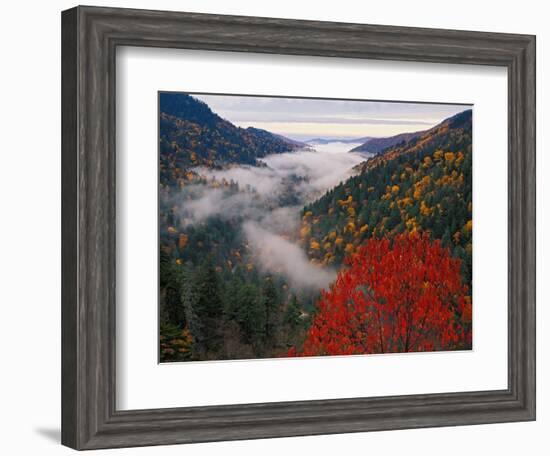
x=90, y=36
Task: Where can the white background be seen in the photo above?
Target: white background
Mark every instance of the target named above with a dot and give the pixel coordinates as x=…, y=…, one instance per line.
x=142, y=72
x=30, y=228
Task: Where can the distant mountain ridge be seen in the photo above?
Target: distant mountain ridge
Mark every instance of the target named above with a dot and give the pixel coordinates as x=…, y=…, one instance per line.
x=378, y=145
x=439, y=136
x=334, y=140
x=191, y=134
x=268, y=135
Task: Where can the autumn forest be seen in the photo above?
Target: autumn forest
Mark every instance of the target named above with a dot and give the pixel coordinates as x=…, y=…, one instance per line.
x=300, y=227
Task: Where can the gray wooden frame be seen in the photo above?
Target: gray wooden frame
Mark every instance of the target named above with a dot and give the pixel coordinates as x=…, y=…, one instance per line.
x=90, y=36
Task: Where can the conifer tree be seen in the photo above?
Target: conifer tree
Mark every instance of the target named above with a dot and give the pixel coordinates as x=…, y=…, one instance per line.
x=292, y=314
x=271, y=303
x=208, y=305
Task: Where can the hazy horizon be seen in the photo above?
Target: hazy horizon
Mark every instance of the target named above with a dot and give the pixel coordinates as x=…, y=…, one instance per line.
x=305, y=119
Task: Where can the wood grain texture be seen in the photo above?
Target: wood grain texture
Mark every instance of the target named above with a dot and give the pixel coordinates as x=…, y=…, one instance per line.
x=69, y=205
x=89, y=39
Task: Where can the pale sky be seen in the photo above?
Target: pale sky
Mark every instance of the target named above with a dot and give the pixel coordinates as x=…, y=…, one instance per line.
x=302, y=118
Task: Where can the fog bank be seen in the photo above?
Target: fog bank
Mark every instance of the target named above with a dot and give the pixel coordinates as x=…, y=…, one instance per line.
x=276, y=255
x=268, y=203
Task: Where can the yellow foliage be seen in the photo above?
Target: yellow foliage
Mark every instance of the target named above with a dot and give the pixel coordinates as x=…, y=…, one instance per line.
x=449, y=157
x=424, y=209
x=411, y=224
x=346, y=201
x=349, y=248
x=314, y=245
x=350, y=227
x=305, y=231
x=420, y=186
x=338, y=241
x=395, y=189
x=468, y=226
x=405, y=202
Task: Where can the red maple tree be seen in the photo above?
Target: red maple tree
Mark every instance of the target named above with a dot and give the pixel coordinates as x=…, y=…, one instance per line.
x=400, y=295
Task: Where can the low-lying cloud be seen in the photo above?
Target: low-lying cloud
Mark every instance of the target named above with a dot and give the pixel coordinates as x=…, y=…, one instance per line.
x=216, y=202
x=324, y=167
x=269, y=202
x=319, y=169
x=276, y=255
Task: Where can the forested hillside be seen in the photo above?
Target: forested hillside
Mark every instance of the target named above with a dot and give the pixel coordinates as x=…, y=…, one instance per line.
x=422, y=185
x=190, y=135
x=215, y=303
x=400, y=233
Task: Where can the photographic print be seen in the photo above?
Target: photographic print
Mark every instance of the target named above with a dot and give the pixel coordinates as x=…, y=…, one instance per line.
x=294, y=227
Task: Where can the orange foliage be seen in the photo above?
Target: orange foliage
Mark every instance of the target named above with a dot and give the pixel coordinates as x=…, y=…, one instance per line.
x=398, y=295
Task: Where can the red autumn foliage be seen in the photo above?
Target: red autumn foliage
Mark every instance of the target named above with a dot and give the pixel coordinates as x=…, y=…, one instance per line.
x=400, y=295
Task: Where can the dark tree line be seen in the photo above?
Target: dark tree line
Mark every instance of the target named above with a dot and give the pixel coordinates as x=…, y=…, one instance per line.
x=206, y=314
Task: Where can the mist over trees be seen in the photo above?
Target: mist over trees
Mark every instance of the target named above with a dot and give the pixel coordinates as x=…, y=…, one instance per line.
x=270, y=249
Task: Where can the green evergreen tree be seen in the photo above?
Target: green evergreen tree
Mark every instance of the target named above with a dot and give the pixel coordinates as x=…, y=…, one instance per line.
x=208, y=305
x=171, y=308
x=189, y=297
x=251, y=315
x=271, y=304
x=293, y=314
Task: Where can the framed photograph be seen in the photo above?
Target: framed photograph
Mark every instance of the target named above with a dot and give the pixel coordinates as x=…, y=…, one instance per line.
x=280, y=228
